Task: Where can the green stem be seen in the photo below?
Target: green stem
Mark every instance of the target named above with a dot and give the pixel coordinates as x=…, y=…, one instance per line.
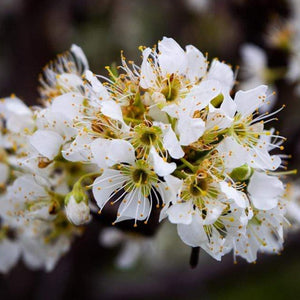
x=130, y=120
x=283, y=173
x=3, y=232
x=189, y=165
x=172, y=121
x=59, y=197
x=88, y=175
x=138, y=103
x=179, y=174
x=181, y=167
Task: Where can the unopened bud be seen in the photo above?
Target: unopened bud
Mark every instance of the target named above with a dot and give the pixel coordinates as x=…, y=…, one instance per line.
x=77, y=208
x=241, y=173
x=217, y=101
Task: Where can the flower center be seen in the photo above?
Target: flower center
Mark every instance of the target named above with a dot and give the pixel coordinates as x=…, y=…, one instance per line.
x=240, y=130
x=148, y=138
x=199, y=188
x=170, y=93
x=140, y=176
x=103, y=128
x=171, y=88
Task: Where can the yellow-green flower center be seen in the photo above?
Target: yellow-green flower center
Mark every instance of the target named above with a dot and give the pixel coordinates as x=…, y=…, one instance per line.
x=148, y=138
x=198, y=188
x=171, y=88
x=140, y=176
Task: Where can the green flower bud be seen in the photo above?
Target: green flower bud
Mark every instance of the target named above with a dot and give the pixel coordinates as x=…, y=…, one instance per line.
x=76, y=204
x=78, y=193
x=241, y=173
x=217, y=101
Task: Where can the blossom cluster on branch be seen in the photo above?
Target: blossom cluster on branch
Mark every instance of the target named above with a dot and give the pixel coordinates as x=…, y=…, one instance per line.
x=167, y=136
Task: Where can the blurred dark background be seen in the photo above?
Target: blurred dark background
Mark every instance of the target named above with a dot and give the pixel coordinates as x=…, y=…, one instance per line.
x=32, y=32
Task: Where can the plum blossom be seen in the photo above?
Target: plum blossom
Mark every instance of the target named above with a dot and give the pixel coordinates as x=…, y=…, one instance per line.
x=164, y=141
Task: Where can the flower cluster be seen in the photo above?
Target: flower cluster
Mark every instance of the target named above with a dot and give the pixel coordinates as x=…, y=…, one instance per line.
x=167, y=136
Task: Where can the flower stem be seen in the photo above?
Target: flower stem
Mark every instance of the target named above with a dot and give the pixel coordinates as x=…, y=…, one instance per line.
x=179, y=174
x=189, y=165
x=130, y=120
x=194, y=257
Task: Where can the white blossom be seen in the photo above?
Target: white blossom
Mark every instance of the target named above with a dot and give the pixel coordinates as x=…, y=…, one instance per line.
x=167, y=139
x=77, y=213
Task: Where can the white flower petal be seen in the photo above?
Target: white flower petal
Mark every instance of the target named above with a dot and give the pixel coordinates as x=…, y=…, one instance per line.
x=223, y=73
x=261, y=158
x=4, y=173
x=9, y=254
x=171, y=57
x=79, y=149
x=161, y=167
x=97, y=86
x=217, y=118
x=170, y=192
x=111, y=237
x=172, y=110
x=148, y=76
x=180, y=213
x=170, y=141
x=234, y=154
x=99, y=149
x=77, y=213
x=228, y=106
x=69, y=81
x=105, y=185
x=120, y=151
x=134, y=206
x=265, y=190
x=174, y=184
x=18, y=116
x=233, y=194
x=68, y=105
x=79, y=54
x=254, y=58
x=46, y=142
x=190, y=129
x=27, y=187
x=56, y=121
x=129, y=254
x=254, y=67
x=112, y=110
x=171, y=144
x=214, y=211
x=17, y=123
x=192, y=234
x=200, y=96
x=13, y=105
x=158, y=114
x=248, y=101
x=197, y=64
